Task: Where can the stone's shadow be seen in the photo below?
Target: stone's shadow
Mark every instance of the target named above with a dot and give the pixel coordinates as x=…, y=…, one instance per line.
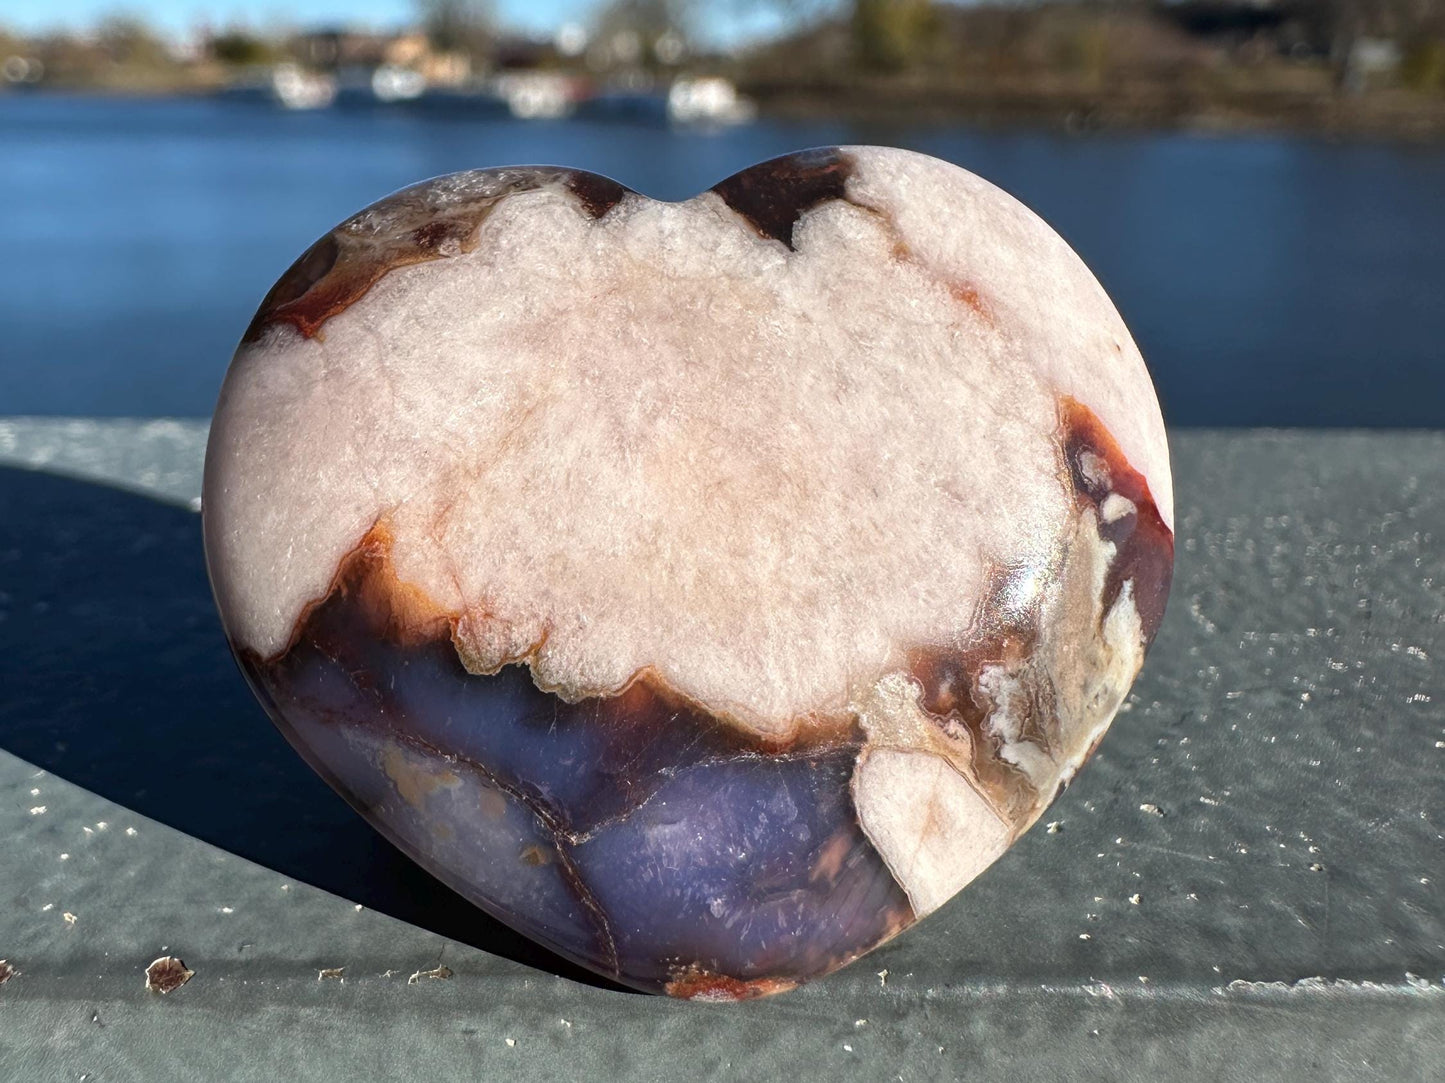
x=116, y=676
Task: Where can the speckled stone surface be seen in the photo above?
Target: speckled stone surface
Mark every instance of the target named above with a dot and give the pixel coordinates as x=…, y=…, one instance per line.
x=1247, y=855
x=709, y=590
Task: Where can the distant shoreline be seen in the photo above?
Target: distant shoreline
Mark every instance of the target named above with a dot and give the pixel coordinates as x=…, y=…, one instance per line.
x=1379, y=116
x=1376, y=117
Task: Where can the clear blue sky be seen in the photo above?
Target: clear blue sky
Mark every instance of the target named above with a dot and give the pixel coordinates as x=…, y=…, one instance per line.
x=722, y=22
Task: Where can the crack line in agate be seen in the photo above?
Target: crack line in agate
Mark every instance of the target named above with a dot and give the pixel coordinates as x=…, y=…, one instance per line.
x=561, y=839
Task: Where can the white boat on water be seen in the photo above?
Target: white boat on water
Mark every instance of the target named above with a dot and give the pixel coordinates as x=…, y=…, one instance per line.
x=393, y=83
x=295, y=88
x=537, y=95
x=707, y=99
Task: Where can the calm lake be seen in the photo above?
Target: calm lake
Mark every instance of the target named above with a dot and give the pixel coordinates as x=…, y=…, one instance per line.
x=1269, y=281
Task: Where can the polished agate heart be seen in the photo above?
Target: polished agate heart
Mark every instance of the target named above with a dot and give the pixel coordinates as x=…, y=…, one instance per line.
x=708, y=590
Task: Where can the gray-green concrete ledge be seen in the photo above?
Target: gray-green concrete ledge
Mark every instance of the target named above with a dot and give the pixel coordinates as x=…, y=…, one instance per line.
x=1247, y=882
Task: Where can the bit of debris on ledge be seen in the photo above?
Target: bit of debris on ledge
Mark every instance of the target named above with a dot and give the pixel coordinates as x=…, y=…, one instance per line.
x=330, y=973
x=6, y=971
x=167, y=973
x=441, y=973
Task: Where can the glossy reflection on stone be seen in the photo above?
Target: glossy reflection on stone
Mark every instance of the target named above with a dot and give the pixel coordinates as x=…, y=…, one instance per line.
x=707, y=590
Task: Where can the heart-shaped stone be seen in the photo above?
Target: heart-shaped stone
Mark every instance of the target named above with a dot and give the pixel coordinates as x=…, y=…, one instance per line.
x=708, y=590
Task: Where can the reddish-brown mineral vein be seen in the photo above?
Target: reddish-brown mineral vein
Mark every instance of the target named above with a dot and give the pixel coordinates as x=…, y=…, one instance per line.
x=407, y=228
x=1008, y=636
x=1005, y=637
x=773, y=195
x=404, y=614
x=949, y=677
x=378, y=605
x=338, y=270
x=694, y=983
x=410, y=227
x=1144, y=546
x=385, y=607
x=969, y=295
x=398, y=610
x=1005, y=642
x=596, y=193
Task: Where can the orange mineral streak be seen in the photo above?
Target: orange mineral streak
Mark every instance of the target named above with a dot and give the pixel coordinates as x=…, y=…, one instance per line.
x=340, y=269
x=967, y=294
x=399, y=612
x=696, y=984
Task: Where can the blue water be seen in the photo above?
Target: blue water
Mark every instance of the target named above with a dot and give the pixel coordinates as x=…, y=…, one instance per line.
x=1275, y=281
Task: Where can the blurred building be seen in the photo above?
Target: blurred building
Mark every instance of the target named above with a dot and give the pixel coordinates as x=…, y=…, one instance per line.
x=342, y=50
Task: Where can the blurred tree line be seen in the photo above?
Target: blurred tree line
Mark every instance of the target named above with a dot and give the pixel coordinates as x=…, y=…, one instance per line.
x=1154, y=60
x=466, y=26
x=1099, y=42
x=895, y=35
